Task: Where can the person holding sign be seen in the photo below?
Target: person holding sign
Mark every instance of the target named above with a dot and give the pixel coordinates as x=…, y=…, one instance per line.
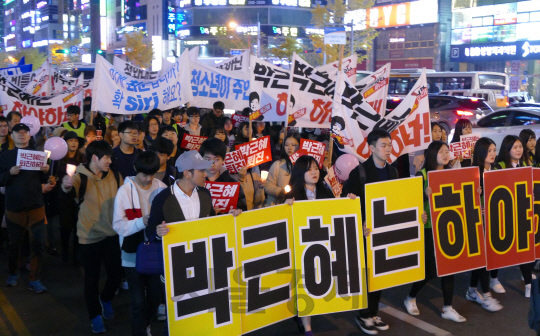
x=374, y=169
x=485, y=152
x=437, y=157
x=25, y=209
x=511, y=156
x=280, y=171
x=463, y=127
x=306, y=184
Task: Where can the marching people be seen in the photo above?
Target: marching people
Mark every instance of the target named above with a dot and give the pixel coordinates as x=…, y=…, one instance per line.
x=124, y=155
x=213, y=119
x=74, y=124
x=193, y=127
x=164, y=148
x=151, y=129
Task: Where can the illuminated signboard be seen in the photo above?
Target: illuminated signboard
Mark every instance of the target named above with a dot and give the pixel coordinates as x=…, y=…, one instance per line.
x=250, y=30
x=495, y=51
x=290, y=3
x=285, y=31
x=171, y=20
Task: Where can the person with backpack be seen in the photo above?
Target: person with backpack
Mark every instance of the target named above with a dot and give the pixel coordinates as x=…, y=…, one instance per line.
x=95, y=186
x=131, y=212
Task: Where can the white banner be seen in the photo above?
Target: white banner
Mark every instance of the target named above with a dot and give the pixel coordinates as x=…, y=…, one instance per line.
x=50, y=110
x=139, y=73
x=348, y=66
x=31, y=160
x=123, y=94
x=193, y=53
x=374, y=88
x=269, y=91
x=310, y=96
x=61, y=83
x=37, y=82
x=236, y=63
x=210, y=85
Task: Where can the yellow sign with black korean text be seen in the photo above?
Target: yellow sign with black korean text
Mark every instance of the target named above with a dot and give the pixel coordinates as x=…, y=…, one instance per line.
x=329, y=252
x=395, y=246
x=200, y=266
x=265, y=249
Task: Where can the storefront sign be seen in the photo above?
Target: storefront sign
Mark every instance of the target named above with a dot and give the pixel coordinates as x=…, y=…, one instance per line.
x=495, y=51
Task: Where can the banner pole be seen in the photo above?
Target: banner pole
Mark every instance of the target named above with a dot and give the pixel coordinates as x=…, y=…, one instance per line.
x=331, y=142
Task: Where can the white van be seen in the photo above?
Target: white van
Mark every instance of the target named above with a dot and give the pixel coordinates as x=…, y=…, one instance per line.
x=520, y=97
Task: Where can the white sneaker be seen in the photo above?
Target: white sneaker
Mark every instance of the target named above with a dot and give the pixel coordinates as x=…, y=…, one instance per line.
x=528, y=291
x=161, y=315
x=496, y=286
x=533, y=276
x=474, y=296
x=410, y=305
x=124, y=285
x=491, y=304
x=452, y=315
x=148, y=332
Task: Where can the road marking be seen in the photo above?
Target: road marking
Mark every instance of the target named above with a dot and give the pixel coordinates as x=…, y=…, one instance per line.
x=12, y=316
x=4, y=327
x=430, y=328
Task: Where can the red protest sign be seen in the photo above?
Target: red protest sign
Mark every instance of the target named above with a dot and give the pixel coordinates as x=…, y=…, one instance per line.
x=237, y=119
x=234, y=161
x=456, y=219
x=192, y=142
x=333, y=182
x=256, y=151
x=315, y=149
x=509, y=217
x=224, y=194
x=536, y=208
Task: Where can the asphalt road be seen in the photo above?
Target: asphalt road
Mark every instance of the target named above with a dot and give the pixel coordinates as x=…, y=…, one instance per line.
x=62, y=310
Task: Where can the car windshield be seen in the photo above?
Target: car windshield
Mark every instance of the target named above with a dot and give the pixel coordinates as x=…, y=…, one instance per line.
x=474, y=104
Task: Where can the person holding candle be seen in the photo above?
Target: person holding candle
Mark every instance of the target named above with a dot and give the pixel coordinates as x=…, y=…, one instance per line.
x=280, y=171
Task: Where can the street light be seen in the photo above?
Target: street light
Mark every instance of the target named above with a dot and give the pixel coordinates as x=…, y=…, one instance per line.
x=233, y=25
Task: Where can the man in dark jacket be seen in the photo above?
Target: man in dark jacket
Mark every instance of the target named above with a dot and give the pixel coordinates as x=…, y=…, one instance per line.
x=25, y=209
x=164, y=148
x=213, y=119
x=124, y=154
x=374, y=169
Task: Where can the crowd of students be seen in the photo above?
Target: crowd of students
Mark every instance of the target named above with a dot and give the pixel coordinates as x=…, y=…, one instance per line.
x=132, y=177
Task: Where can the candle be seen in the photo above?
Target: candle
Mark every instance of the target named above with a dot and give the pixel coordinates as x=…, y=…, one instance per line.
x=48, y=153
x=287, y=188
x=70, y=169
x=264, y=175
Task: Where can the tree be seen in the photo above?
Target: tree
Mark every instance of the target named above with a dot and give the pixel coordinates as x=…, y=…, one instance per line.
x=138, y=52
x=32, y=56
x=334, y=13
x=286, y=49
x=58, y=58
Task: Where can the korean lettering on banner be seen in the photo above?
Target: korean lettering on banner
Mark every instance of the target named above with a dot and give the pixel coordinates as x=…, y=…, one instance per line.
x=311, y=91
x=536, y=208
x=256, y=151
x=224, y=195
x=234, y=161
x=209, y=85
x=348, y=67
x=509, y=215
x=333, y=182
x=395, y=247
x=235, y=63
x=315, y=149
x=31, y=160
x=269, y=91
x=60, y=83
x=329, y=255
x=470, y=141
x=133, y=71
x=374, y=88
x=237, y=119
x=192, y=142
x=200, y=266
x=456, y=219
x=265, y=249
x=50, y=110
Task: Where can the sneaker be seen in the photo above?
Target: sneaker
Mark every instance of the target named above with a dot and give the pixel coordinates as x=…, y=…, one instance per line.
x=366, y=325
x=537, y=265
x=474, y=296
x=491, y=304
x=528, y=291
x=410, y=305
x=379, y=324
x=308, y=333
x=452, y=315
x=97, y=325
x=124, y=285
x=106, y=309
x=37, y=287
x=12, y=280
x=496, y=286
x=533, y=276
x=161, y=314
x=148, y=331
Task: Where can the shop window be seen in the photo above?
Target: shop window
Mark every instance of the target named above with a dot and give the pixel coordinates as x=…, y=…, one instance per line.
x=415, y=44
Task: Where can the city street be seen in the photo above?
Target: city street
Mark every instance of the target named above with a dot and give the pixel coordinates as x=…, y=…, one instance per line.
x=62, y=310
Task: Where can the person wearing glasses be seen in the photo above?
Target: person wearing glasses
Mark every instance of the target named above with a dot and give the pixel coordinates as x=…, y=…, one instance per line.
x=211, y=120
x=193, y=127
x=124, y=154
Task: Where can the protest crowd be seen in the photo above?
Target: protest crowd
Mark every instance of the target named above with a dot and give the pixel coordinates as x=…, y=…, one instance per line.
x=125, y=177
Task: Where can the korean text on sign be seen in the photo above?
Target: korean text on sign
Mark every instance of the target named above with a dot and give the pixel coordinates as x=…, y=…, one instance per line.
x=224, y=195
x=315, y=149
x=256, y=151
x=192, y=142
x=234, y=161
x=31, y=160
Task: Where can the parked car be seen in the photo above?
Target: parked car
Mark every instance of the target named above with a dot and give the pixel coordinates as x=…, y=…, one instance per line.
x=509, y=121
x=537, y=105
x=494, y=98
x=446, y=110
x=520, y=97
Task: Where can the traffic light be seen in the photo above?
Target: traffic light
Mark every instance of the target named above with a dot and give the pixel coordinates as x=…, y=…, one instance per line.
x=100, y=52
x=61, y=51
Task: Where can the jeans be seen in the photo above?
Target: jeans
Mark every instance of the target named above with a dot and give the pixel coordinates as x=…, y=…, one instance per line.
x=145, y=293
x=93, y=255
x=18, y=223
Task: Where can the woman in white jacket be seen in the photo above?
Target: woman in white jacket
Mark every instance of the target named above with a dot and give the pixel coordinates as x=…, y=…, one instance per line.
x=131, y=212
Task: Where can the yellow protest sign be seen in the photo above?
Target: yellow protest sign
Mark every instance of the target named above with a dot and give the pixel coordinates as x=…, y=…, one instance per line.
x=395, y=247
x=200, y=263
x=329, y=253
x=266, y=260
